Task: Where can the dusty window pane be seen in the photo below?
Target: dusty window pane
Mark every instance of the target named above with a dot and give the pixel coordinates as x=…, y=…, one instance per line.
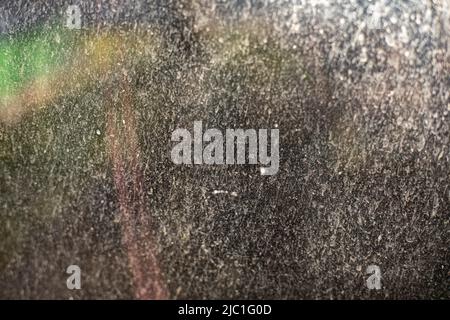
x=122, y=162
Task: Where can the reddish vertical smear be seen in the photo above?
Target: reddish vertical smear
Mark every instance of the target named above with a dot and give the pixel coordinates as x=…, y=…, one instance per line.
x=123, y=148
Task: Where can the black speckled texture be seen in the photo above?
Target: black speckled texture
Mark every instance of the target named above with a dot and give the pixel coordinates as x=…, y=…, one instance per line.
x=363, y=115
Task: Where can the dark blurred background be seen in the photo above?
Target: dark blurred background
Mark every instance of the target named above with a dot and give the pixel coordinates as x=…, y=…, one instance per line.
x=359, y=91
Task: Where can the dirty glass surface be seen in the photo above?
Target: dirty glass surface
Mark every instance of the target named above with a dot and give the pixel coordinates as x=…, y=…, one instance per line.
x=93, y=92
